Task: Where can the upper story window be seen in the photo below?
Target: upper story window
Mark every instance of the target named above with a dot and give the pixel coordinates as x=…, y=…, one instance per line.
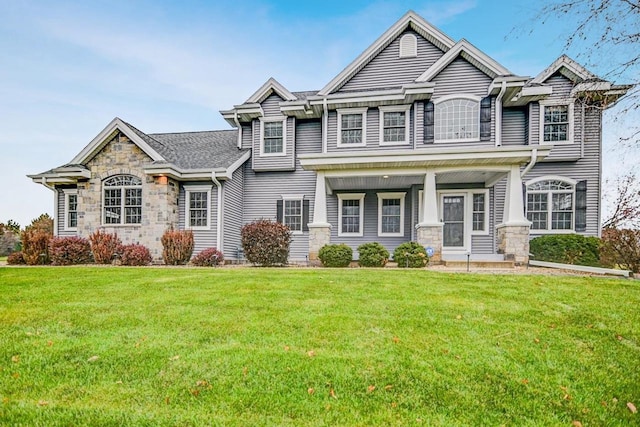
x=122, y=200
x=197, y=207
x=556, y=122
x=550, y=204
x=457, y=119
x=350, y=214
x=408, y=46
x=273, y=135
x=352, y=129
x=394, y=125
x=391, y=214
x=70, y=209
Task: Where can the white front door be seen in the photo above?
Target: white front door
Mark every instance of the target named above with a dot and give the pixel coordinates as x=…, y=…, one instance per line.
x=455, y=230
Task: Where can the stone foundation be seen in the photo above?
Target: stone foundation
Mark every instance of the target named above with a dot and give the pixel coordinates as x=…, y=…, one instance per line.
x=513, y=243
x=431, y=236
x=318, y=237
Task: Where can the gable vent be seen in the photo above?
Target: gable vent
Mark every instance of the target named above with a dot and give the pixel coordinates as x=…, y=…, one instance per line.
x=408, y=46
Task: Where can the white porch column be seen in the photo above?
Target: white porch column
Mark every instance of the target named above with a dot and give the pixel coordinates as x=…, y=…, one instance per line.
x=513, y=233
x=429, y=229
x=319, y=229
x=513, y=203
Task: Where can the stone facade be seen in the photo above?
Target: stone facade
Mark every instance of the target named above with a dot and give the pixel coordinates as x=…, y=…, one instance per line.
x=318, y=237
x=159, y=196
x=513, y=242
x=431, y=236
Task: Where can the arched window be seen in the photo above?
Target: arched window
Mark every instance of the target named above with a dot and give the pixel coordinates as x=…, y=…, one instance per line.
x=457, y=119
x=122, y=200
x=550, y=204
x=408, y=46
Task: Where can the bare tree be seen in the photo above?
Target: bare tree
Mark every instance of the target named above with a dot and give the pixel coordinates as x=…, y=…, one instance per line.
x=622, y=197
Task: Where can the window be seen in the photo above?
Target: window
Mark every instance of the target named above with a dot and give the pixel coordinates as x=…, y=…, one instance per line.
x=70, y=209
x=550, y=204
x=408, y=46
x=352, y=130
x=273, y=136
x=556, y=123
x=350, y=214
x=122, y=200
x=197, y=205
x=478, y=214
x=394, y=125
x=292, y=216
x=457, y=119
x=391, y=214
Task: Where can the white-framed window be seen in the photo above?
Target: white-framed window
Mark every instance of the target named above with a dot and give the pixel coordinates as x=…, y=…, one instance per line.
x=352, y=127
x=556, y=122
x=391, y=214
x=408, y=46
x=292, y=208
x=478, y=209
x=457, y=119
x=70, y=209
x=273, y=136
x=350, y=214
x=197, y=205
x=550, y=204
x=394, y=124
x=122, y=200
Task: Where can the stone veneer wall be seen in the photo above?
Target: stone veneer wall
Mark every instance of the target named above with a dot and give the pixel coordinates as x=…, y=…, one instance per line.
x=513, y=242
x=318, y=237
x=159, y=196
x=431, y=235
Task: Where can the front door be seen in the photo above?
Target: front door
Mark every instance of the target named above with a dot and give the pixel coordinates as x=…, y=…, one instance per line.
x=453, y=217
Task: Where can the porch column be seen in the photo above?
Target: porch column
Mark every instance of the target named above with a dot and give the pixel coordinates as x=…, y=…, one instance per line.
x=513, y=233
x=429, y=229
x=319, y=229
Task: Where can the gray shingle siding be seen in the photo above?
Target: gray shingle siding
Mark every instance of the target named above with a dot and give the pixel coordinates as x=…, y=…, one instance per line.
x=202, y=239
x=233, y=202
x=513, y=126
x=63, y=230
x=271, y=108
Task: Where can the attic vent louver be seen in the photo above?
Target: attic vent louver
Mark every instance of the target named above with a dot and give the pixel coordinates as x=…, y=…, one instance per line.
x=408, y=46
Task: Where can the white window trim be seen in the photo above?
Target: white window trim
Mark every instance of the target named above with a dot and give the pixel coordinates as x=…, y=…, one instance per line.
x=407, y=119
x=294, y=197
x=435, y=117
x=549, y=230
x=383, y=196
x=351, y=196
x=547, y=103
x=188, y=189
x=469, y=209
x=282, y=119
x=68, y=192
x=122, y=195
x=342, y=111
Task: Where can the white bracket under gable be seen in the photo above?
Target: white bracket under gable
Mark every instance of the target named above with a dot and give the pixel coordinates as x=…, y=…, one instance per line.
x=568, y=68
x=101, y=140
x=472, y=54
x=409, y=20
x=271, y=85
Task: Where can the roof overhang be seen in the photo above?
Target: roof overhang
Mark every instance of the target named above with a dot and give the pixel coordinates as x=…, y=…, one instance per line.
x=69, y=174
x=180, y=174
x=242, y=113
x=406, y=94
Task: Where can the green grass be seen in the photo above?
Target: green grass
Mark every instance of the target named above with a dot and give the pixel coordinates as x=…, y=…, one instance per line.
x=171, y=346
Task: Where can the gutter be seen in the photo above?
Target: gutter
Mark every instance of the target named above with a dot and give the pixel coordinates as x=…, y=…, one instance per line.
x=55, y=204
x=219, y=212
x=325, y=124
x=503, y=89
x=237, y=122
x=532, y=163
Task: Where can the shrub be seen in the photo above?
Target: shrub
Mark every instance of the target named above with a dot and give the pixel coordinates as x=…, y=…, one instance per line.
x=69, y=250
x=135, y=254
x=266, y=242
x=8, y=242
x=566, y=249
x=16, y=258
x=373, y=255
x=105, y=246
x=35, y=246
x=177, y=246
x=410, y=254
x=621, y=247
x=336, y=255
x=209, y=257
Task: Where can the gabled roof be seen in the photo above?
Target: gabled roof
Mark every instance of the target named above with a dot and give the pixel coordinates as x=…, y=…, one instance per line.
x=472, y=54
x=568, y=68
x=410, y=19
x=271, y=85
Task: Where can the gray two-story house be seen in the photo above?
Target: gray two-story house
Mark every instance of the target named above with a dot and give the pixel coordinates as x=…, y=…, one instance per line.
x=421, y=138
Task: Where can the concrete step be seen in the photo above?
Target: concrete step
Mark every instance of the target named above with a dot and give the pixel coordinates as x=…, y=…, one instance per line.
x=479, y=264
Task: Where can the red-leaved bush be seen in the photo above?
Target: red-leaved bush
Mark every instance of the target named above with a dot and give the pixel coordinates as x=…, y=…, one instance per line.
x=105, y=246
x=135, y=254
x=15, y=258
x=266, y=242
x=69, y=250
x=177, y=246
x=209, y=257
x=621, y=247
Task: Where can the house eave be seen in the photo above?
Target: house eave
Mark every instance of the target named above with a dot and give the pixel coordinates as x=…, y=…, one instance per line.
x=405, y=94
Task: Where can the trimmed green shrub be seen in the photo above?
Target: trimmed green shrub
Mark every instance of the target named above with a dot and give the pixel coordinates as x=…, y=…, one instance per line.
x=70, y=251
x=266, y=243
x=566, y=249
x=135, y=254
x=372, y=254
x=336, y=255
x=410, y=254
x=621, y=248
x=15, y=258
x=209, y=257
x=105, y=246
x=177, y=246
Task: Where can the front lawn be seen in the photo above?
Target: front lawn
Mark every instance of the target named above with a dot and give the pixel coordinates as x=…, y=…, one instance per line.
x=181, y=346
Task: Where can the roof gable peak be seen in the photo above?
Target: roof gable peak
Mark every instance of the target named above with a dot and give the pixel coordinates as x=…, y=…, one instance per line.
x=271, y=85
x=568, y=68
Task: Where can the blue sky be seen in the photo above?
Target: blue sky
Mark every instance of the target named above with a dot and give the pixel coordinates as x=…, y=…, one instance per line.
x=68, y=68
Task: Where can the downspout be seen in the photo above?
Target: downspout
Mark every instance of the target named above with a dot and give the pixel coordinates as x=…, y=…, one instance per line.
x=503, y=89
x=55, y=204
x=325, y=124
x=219, y=211
x=532, y=163
x=582, y=132
x=237, y=122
